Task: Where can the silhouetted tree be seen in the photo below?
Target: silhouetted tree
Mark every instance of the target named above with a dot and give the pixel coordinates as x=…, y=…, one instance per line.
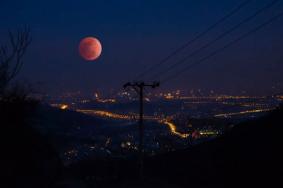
x=11, y=57
x=30, y=161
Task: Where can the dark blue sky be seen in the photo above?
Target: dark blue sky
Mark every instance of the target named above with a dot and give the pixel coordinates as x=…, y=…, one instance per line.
x=138, y=33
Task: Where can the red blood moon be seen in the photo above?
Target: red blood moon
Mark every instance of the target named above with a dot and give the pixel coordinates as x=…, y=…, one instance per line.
x=90, y=48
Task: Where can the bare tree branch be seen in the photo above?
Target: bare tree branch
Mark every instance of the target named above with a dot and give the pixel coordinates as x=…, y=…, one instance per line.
x=11, y=61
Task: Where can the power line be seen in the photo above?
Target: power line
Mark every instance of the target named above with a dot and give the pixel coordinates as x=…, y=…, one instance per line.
x=182, y=61
x=174, y=76
x=234, y=11
x=181, y=48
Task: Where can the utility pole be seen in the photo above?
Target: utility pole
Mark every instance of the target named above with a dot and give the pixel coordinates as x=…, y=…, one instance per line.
x=139, y=88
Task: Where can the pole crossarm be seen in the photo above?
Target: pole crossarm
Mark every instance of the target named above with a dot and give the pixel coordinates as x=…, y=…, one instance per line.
x=141, y=84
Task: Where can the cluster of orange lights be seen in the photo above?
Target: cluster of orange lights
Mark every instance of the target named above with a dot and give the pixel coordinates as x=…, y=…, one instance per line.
x=64, y=107
x=60, y=106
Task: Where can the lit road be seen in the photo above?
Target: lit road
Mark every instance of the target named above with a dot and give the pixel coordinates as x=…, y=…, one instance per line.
x=243, y=112
x=111, y=115
x=173, y=129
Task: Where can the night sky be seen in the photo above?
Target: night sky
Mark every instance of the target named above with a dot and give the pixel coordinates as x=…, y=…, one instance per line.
x=138, y=33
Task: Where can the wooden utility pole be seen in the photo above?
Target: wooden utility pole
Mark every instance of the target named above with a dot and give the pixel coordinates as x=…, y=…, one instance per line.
x=139, y=88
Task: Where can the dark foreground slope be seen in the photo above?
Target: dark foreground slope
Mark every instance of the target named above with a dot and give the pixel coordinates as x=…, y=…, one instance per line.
x=27, y=159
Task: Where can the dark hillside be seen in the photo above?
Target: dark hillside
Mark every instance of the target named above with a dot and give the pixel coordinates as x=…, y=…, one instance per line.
x=249, y=154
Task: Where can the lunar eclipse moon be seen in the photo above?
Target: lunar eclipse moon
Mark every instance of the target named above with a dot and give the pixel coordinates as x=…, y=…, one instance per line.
x=90, y=48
